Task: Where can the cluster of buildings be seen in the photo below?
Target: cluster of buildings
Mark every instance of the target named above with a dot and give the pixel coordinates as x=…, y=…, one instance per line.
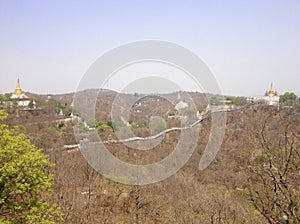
x=270, y=98
x=19, y=98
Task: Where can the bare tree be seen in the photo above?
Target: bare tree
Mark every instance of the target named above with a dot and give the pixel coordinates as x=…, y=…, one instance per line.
x=273, y=170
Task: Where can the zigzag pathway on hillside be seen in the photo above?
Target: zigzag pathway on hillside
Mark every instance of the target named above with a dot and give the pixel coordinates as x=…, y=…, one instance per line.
x=69, y=147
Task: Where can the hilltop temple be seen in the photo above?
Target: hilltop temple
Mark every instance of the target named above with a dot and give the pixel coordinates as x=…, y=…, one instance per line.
x=19, y=97
x=271, y=97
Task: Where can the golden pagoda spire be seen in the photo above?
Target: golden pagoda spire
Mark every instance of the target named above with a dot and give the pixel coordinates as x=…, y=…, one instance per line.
x=18, y=90
x=271, y=91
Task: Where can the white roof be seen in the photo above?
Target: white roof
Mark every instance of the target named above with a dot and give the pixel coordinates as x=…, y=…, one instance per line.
x=21, y=96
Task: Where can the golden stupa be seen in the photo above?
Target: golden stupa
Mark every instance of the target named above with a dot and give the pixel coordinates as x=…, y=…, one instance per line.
x=18, y=90
x=271, y=91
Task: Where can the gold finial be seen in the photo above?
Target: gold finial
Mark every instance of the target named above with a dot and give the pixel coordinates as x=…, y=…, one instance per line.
x=271, y=91
x=18, y=90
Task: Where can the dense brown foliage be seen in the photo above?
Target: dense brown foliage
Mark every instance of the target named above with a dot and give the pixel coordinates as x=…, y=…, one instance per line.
x=248, y=182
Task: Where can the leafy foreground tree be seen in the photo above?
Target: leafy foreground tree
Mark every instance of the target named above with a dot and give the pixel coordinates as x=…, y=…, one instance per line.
x=288, y=99
x=274, y=172
x=24, y=181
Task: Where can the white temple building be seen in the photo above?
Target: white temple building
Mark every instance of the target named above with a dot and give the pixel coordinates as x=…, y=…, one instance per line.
x=271, y=97
x=20, y=97
x=181, y=105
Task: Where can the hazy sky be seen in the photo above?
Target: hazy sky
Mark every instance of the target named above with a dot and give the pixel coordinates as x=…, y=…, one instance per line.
x=49, y=45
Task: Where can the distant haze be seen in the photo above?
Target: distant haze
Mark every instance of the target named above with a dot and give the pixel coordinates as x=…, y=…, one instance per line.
x=248, y=45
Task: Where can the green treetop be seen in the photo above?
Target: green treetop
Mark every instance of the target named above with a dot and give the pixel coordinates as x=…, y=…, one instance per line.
x=288, y=98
